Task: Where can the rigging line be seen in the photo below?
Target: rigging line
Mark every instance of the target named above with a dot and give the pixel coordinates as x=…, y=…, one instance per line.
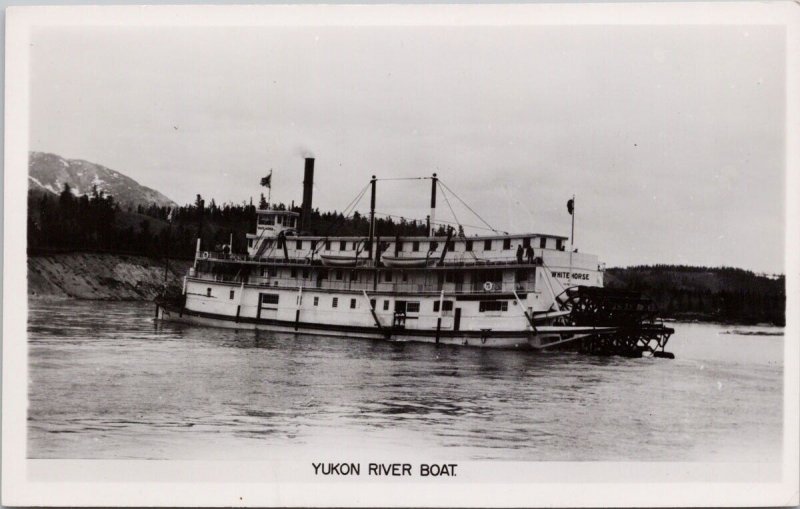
x=450, y=207
x=352, y=205
x=440, y=221
x=357, y=199
x=468, y=207
x=405, y=178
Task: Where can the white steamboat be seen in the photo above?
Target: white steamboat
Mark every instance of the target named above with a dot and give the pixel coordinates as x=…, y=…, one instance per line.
x=492, y=291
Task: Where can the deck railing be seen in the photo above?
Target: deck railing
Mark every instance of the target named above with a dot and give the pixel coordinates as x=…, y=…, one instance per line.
x=433, y=287
x=449, y=261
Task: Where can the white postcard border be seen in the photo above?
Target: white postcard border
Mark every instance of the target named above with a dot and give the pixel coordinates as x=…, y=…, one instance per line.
x=174, y=483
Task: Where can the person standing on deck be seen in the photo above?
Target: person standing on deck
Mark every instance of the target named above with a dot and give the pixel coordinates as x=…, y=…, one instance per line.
x=529, y=254
x=519, y=253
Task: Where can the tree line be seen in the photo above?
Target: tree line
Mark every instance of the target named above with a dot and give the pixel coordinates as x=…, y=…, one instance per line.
x=96, y=222
x=722, y=294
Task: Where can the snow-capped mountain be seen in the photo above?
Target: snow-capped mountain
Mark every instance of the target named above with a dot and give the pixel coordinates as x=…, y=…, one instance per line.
x=50, y=172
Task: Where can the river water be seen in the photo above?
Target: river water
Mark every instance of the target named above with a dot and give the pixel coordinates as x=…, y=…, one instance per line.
x=107, y=381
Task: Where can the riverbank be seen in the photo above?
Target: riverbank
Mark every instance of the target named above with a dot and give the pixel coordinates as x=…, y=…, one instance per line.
x=98, y=276
x=688, y=294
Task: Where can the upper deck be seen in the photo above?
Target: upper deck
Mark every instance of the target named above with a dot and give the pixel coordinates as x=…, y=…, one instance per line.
x=461, y=250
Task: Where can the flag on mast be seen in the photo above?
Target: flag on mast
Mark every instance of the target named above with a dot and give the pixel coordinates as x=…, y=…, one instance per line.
x=267, y=181
x=571, y=206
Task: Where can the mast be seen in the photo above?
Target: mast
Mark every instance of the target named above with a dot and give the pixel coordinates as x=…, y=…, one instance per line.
x=571, y=238
x=431, y=227
x=572, y=234
x=372, y=182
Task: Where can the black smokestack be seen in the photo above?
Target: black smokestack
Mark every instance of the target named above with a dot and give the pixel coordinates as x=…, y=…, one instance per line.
x=308, y=187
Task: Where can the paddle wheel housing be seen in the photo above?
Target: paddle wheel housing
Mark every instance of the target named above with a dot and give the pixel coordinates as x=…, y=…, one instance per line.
x=630, y=322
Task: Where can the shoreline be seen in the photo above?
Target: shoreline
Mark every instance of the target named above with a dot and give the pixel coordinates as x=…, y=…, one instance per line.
x=102, y=276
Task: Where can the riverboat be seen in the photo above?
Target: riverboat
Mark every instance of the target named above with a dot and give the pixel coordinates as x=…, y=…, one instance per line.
x=522, y=290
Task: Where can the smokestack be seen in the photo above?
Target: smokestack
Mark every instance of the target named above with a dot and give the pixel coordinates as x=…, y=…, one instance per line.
x=308, y=186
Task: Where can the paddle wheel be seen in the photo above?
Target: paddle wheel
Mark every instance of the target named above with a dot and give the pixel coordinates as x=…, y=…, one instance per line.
x=631, y=318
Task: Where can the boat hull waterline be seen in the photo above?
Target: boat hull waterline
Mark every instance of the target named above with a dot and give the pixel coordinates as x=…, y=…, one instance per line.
x=546, y=337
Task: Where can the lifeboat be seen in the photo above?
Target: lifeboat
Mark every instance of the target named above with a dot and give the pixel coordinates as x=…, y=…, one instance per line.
x=340, y=261
x=407, y=261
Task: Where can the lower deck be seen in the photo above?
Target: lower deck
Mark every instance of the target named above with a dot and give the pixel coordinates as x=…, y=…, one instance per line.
x=545, y=336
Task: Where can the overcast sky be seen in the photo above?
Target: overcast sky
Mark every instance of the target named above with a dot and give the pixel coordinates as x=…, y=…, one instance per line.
x=672, y=138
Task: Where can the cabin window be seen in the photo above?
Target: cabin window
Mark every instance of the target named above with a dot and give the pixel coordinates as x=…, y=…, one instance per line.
x=506, y=243
x=355, y=246
x=313, y=245
x=273, y=271
x=405, y=276
x=415, y=245
x=342, y=246
x=250, y=243
x=231, y=294
x=278, y=220
x=335, y=302
x=526, y=242
x=327, y=245
x=208, y=292
x=353, y=275
x=372, y=303
x=305, y=273
x=493, y=305
x=293, y=272
x=352, y=303
x=447, y=305
x=388, y=276
x=468, y=245
x=399, y=246
x=542, y=242
x=386, y=305
x=299, y=244
x=338, y=275
x=267, y=220
x=487, y=245
x=560, y=244
x=270, y=298
x=451, y=245
x=412, y=307
x=316, y=301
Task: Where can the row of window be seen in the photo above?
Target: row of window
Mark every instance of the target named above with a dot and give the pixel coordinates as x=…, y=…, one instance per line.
x=415, y=245
x=290, y=221
x=401, y=306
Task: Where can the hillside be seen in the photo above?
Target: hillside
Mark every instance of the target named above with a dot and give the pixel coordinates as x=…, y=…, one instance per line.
x=705, y=293
x=94, y=276
x=49, y=173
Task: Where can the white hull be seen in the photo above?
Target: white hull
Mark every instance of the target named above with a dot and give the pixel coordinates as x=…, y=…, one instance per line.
x=549, y=337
